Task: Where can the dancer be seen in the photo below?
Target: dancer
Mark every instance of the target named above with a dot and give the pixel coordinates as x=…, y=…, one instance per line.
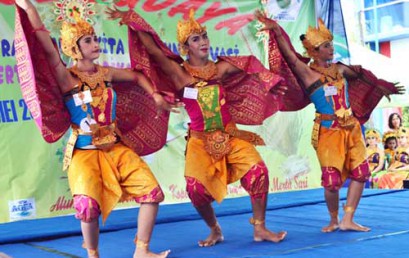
x=102, y=169
x=376, y=156
x=390, y=143
x=216, y=96
x=340, y=107
x=399, y=169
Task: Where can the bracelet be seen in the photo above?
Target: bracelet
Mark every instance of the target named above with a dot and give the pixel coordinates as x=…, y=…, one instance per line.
x=41, y=28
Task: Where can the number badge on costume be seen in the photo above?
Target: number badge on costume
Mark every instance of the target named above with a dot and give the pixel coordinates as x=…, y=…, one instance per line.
x=330, y=90
x=82, y=97
x=190, y=93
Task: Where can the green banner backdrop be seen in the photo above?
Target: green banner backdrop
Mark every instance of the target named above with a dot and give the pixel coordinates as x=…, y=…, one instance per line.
x=32, y=183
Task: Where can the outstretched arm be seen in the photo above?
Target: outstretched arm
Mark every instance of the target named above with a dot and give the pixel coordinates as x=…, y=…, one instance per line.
x=301, y=69
x=352, y=74
x=127, y=75
x=225, y=69
x=64, y=79
x=170, y=67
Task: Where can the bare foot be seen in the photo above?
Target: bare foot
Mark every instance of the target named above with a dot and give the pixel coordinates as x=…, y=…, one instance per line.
x=261, y=233
x=144, y=253
x=352, y=226
x=333, y=226
x=215, y=237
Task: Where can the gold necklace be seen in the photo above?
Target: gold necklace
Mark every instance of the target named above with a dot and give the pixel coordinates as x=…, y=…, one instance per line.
x=203, y=72
x=96, y=83
x=330, y=73
x=94, y=79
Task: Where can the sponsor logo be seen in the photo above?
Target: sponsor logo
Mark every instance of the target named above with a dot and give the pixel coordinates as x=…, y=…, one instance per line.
x=22, y=209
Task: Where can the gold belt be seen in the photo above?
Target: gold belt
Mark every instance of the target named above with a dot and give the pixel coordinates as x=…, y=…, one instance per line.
x=217, y=142
x=103, y=138
x=344, y=118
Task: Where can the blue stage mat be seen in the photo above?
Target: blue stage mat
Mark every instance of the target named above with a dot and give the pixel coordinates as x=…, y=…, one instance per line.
x=301, y=213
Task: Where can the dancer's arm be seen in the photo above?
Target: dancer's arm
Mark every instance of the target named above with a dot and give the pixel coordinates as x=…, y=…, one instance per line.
x=170, y=67
x=303, y=71
x=64, y=79
x=403, y=168
x=225, y=69
x=351, y=74
x=127, y=75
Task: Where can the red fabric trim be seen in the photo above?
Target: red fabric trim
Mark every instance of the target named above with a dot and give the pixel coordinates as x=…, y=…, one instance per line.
x=135, y=108
x=363, y=95
x=245, y=90
x=38, y=83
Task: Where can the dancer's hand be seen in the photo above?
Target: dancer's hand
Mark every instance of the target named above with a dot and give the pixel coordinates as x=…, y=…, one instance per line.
x=269, y=24
x=400, y=88
x=163, y=105
x=24, y=4
x=114, y=13
x=279, y=90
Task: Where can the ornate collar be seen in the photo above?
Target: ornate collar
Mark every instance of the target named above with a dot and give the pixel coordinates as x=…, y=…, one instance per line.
x=330, y=73
x=206, y=72
x=91, y=79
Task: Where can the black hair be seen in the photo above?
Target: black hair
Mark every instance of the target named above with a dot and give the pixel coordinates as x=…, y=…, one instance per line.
x=390, y=120
x=388, y=140
x=303, y=37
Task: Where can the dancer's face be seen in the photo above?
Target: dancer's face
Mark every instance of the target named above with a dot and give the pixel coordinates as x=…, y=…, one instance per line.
x=392, y=144
x=326, y=51
x=372, y=141
x=89, y=47
x=403, y=140
x=198, y=45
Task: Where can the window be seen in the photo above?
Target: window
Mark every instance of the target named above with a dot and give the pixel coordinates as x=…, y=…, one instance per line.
x=388, y=19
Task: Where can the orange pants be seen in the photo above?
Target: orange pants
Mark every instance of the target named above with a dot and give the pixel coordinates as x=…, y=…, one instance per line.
x=111, y=176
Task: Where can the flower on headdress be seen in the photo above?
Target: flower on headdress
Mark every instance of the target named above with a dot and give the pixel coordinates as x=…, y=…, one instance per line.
x=373, y=133
x=76, y=23
x=388, y=135
x=66, y=10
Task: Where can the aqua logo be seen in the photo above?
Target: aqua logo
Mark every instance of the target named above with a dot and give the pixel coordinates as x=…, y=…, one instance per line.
x=22, y=209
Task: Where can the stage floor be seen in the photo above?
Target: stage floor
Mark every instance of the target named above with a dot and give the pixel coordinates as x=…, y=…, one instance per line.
x=301, y=213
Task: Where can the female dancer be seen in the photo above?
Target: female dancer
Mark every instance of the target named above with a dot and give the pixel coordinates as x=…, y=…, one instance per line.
x=216, y=97
x=102, y=169
x=376, y=156
x=390, y=143
x=337, y=135
x=399, y=169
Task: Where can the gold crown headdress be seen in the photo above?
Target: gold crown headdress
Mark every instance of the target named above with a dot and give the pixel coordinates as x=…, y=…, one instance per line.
x=187, y=28
x=388, y=135
x=71, y=33
x=372, y=133
x=314, y=37
x=403, y=132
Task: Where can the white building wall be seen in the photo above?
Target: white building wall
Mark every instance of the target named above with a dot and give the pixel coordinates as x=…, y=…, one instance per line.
x=400, y=50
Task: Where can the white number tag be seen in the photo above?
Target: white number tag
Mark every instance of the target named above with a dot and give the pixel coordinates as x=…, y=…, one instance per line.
x=330, y=90
x=82, y=98
x=190, y=93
